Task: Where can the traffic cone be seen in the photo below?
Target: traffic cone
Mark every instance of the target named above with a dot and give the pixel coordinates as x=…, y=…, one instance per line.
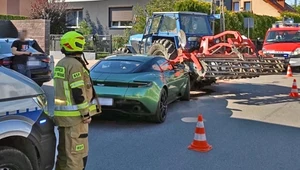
x=199, y=143
x=294, y=92
x=289, y=72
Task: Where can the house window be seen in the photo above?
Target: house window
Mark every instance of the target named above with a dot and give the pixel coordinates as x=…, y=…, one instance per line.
x=247, y=6
x=236, y=6
x=74, y=17
x=120, y=17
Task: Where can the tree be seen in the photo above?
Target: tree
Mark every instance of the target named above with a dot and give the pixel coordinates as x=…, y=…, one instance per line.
x=297, y=8
x=84, y=28
x=141, y=12
x=53, y=11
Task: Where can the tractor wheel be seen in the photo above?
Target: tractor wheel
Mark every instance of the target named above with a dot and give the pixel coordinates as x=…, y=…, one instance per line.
x=122, y=50
x=163, y=47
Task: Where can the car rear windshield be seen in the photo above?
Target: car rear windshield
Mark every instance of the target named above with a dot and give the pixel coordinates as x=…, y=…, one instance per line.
x=5, y=48
x=117, y=66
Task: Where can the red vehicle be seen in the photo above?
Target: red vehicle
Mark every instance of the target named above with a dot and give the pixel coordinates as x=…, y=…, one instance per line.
x=283, y=41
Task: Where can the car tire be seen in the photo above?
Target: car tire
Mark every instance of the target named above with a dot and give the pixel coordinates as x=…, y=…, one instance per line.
x=13, y=159
x=162, y=108
x=187, y=95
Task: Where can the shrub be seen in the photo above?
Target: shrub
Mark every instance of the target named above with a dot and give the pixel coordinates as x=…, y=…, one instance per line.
x=119, y=41
x=12, y=17
x=233, y=20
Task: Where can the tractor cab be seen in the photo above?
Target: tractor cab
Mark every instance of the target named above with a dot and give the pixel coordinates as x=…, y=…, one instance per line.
x=164, y=27
x=160, y=35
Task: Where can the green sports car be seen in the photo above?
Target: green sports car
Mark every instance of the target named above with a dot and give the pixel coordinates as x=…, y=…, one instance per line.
x=140, y=85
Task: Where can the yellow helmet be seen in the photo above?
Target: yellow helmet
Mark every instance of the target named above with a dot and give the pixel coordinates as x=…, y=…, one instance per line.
x=72, y=42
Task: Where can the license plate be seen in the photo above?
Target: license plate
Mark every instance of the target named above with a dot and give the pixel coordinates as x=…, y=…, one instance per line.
x=106, y=101
x=33, y=63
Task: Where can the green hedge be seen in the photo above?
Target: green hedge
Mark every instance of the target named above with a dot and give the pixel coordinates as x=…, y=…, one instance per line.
x=12, y=17
x=233, y=20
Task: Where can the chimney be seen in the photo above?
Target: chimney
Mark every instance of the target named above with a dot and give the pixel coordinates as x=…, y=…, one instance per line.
x=281, y=2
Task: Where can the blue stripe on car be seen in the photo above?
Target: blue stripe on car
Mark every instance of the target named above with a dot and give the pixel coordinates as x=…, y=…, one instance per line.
x=31, y=113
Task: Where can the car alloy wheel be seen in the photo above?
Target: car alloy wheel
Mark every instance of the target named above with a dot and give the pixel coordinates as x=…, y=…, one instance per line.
x=162, y=108
x=163, y=105
x=8, y=168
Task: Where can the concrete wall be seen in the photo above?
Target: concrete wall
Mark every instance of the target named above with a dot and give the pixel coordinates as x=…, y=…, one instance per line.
x=3, y=7
x=98, y=11
x=15, y=7
x=25, y=7
x=37, y=29
x=261, y=7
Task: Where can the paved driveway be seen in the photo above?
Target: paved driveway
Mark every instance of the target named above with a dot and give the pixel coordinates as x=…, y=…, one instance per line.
x=251, y=124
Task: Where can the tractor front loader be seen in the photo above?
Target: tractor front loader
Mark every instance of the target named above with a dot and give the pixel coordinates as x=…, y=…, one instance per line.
x=186, y=37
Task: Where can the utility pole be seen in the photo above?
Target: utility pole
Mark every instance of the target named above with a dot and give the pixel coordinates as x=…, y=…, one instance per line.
x=222, y=14
x=295, y=3
x=213, y=12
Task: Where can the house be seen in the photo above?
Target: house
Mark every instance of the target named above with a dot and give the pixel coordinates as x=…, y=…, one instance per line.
x=107, y=17
x=15, y=7
x=260, y=7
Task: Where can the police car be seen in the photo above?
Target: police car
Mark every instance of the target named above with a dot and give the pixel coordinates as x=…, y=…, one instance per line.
x=27, y=138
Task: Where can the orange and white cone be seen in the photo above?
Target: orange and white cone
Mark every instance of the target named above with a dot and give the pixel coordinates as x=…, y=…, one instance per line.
x=199, y=143
x=289, y=72
x=294, y=92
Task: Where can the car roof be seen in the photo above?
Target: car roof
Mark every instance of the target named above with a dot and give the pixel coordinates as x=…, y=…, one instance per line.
x=285, y=29
x=11, y=39
x=140, y=58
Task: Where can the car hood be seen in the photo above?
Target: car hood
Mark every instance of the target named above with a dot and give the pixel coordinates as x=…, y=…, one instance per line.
x=286, y=47
x=16, y=85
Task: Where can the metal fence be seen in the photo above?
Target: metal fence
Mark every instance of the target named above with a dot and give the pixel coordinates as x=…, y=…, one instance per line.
x=109, y=43
x=94, y=43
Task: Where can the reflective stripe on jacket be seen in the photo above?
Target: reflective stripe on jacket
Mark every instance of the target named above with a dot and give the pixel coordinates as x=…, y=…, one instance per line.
x=69, y=76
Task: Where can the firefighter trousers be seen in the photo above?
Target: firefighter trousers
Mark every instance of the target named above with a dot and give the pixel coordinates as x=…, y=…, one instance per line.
x=72, y=147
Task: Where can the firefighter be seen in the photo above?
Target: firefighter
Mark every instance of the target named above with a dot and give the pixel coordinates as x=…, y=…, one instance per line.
x=75, y=103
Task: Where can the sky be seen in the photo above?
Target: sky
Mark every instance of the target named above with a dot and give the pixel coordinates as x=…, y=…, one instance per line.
x=291, y=2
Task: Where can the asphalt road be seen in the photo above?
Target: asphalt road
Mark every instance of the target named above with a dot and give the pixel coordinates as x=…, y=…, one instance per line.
x=251, y=124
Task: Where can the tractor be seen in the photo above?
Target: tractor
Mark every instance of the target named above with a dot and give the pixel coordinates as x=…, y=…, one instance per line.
x=187, y=38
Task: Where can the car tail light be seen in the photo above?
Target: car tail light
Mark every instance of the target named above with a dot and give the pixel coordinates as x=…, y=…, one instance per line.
x=5, y=62
x=46, y=60
x=141, y=84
